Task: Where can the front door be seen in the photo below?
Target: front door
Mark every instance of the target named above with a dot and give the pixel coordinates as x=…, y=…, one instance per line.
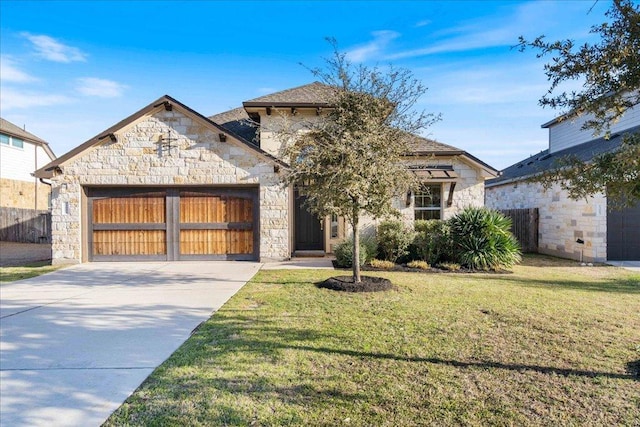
x=309, y=234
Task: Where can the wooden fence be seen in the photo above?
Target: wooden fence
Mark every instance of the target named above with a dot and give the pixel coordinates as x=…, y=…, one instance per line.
x=524, y=225
x=25, y=225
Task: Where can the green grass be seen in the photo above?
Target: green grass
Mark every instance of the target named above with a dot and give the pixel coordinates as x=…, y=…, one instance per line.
x=11, y=274
x=550, y=344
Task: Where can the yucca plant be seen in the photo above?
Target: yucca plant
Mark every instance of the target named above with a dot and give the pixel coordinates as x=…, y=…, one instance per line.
x=482, y=240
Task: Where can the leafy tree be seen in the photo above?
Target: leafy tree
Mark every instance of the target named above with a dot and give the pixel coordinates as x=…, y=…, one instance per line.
x=610, y=72
x=348, y=162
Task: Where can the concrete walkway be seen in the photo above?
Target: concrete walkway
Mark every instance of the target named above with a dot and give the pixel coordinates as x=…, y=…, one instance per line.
x=628, y=265
x=324, y=263
x=77, y=342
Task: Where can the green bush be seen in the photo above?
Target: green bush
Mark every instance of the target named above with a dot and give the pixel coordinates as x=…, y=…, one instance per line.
x=344, y=253
x=482, y=240
x=432, y=242
x=371, y=245
x=394, y=238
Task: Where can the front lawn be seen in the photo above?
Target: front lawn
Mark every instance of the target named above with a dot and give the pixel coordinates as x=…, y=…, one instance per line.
x=11, y=274
x=551, y=344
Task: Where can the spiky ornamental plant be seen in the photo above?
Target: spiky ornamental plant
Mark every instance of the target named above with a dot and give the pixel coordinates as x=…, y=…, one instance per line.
x=348, y=162
x=482, y=239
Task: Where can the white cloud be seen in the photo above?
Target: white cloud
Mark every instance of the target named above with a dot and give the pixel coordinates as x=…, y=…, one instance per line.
x=423, y=23
x=11, y=73
x=497, y=31
x=11, y=99
x=53, y=50
x=92, y=86
x=380, y=40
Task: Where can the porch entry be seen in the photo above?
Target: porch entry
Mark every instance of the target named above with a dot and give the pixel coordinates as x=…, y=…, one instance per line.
x=309, y=235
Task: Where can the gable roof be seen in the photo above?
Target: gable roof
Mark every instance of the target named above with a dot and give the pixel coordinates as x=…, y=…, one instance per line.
x=46, y=171
x=9, y=128
x=314, y=94
x=318, y=94
x=238, y=122
x=544, y=160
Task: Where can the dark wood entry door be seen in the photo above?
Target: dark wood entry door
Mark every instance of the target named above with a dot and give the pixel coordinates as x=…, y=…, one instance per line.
x=309, y=233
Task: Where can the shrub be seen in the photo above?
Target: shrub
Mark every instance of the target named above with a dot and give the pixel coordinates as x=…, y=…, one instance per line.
x=432, y=242
x=344, y=253
x=371, y=245
x=422, y=265
x=394, y=238
x=450, y=266
x=483, y=241
x=382, y=264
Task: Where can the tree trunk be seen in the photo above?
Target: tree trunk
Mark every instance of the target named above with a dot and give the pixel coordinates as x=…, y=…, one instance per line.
x=356, y=249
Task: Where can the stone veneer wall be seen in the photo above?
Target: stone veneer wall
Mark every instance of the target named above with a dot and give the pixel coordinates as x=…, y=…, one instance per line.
x=22, y=194
x=561, y=220
x=469, y=192
x=196, y=157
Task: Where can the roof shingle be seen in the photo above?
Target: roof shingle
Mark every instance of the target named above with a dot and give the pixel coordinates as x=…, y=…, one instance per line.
x=10, y=128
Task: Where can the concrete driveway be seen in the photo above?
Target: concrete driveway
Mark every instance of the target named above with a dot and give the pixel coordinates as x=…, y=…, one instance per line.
x=75, y=343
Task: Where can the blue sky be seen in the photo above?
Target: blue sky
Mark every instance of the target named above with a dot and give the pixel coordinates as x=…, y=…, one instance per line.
x=72, y=69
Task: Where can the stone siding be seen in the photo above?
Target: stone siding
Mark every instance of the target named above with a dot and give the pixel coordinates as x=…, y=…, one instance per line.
x=561, y=220
x=469, y=192
x=194, y=156
x=22, y=194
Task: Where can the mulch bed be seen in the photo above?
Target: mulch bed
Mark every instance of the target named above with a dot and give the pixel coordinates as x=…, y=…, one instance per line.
x=346, y=284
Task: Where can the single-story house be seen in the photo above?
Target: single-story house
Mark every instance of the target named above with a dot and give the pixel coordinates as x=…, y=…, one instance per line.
x=168, y=183
x=589, y=229
x=21, y=153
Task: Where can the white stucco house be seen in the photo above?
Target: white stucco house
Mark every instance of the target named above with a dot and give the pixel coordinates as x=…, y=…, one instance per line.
x=590, y=228
x=21, y=154
x=168, y=183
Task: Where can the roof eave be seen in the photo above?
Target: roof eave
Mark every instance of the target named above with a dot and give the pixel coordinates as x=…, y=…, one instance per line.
x=264, y=104
x=47, y=170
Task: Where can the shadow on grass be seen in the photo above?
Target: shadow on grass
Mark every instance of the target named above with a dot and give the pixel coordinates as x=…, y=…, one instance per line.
x=479, y=364
x=275, y=338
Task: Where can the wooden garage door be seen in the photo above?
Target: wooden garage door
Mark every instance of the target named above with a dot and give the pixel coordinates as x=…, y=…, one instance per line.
x=216, y=224
x=173, y=224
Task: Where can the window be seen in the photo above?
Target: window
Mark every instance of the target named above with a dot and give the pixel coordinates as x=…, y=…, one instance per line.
x=11, y=140
x=427, y=202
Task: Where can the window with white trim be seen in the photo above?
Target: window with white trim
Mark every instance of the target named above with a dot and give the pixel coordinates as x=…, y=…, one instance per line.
x=11, y=140
x=427, y=202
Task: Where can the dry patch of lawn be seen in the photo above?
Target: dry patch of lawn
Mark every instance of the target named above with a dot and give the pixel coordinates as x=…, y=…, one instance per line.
x=552, y=343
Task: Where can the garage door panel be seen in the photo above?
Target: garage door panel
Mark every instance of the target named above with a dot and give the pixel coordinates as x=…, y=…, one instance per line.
x=145, y=208
x=202, y=242
x=129, y=242
x=623, y=234
x=201, y=208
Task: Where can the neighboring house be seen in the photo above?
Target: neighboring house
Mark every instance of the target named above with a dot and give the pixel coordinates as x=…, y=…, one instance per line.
x=586, y=228
x=21, y=154
x=168, y=183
